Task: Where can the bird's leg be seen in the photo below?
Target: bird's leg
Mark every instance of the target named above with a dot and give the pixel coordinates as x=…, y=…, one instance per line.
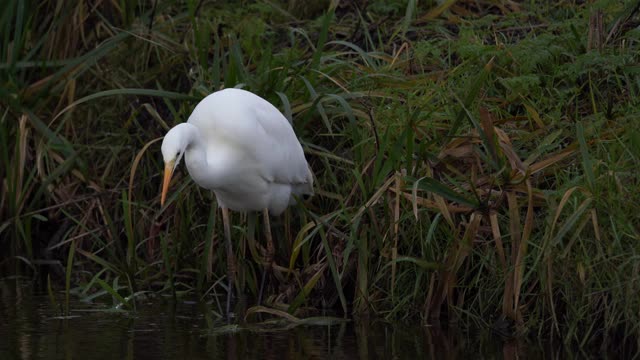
x=270, y=252
x=231, y=263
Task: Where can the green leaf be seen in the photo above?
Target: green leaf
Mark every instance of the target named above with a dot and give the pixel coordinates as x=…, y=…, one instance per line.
x=305, y=291
x=72, y=250
x=334, y=270
x=424, y=264
x=123, y=92
x=112, y=292
x=433, y=185
x=587, y=164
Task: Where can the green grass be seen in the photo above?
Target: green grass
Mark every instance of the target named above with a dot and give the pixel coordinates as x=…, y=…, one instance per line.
x=475, y=162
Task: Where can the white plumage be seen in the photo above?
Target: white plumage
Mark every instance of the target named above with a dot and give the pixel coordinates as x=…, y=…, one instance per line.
x=241, y=147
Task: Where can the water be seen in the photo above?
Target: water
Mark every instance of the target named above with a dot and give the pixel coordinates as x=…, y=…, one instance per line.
x=30, y=328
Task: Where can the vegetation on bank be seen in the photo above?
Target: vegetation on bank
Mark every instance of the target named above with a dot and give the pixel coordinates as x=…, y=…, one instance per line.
x=476, y=161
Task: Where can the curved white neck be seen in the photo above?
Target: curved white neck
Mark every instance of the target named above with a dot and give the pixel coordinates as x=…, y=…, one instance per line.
x=204, y=171
x=195, y=154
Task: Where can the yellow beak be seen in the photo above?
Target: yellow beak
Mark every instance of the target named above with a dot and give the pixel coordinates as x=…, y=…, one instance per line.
x=168, y=172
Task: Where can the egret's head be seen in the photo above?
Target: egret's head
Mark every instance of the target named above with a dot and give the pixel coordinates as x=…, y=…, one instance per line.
x=173, y=147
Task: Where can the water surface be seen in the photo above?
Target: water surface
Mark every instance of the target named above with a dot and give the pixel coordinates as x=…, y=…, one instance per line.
x=31, y=328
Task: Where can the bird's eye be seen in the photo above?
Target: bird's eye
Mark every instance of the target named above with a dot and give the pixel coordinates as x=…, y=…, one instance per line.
x=306, y=197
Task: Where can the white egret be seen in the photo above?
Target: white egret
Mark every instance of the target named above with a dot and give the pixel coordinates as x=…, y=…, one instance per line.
x=241, y=147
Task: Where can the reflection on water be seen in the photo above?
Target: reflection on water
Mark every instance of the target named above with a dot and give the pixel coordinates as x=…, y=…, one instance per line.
x=29, y=329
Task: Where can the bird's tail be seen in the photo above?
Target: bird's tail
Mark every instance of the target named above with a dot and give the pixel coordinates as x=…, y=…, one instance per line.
x=310, y=178
x=304, y=190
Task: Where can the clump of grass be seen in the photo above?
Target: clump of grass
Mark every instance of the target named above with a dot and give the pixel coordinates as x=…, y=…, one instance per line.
x=470, y=168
